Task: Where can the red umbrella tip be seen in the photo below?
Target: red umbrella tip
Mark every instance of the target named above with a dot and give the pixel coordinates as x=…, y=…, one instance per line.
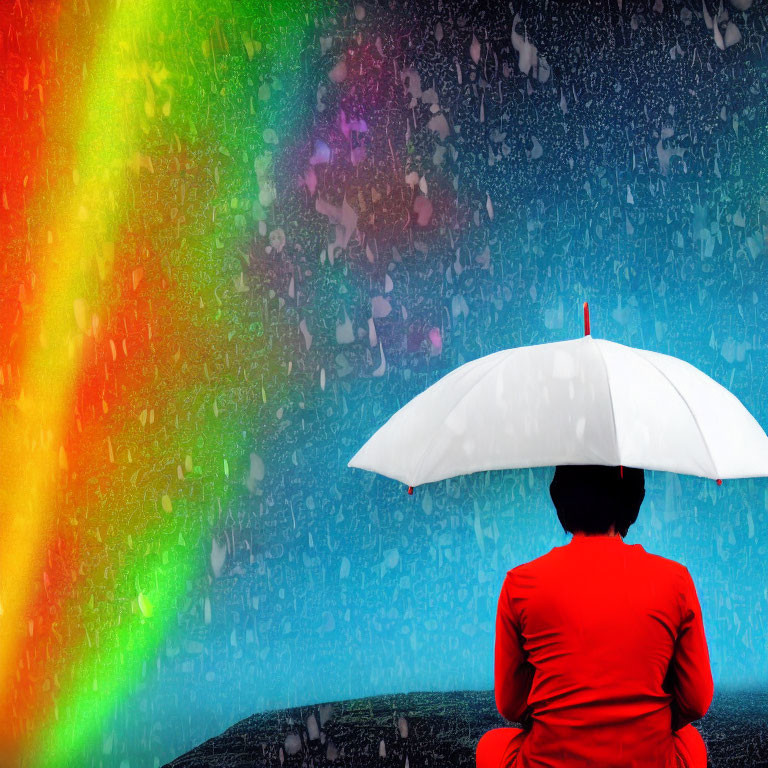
x=719, y=482
x=621, y=470
x=410, y=489
x=586, y=319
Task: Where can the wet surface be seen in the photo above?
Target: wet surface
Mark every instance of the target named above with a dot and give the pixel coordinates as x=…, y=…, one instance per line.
x=435, y=729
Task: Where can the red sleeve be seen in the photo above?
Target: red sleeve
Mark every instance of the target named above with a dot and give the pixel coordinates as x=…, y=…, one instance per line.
x=513, y=675
x=691, y=674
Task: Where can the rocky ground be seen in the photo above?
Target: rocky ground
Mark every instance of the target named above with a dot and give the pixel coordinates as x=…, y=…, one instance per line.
x=433, y=729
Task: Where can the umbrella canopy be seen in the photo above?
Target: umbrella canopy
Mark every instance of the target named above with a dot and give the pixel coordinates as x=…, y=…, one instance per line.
x=582, y=401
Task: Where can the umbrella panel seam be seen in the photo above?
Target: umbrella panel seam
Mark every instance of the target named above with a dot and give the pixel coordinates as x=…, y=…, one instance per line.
x=610, y=397
x=456, y=404
x=690, y=410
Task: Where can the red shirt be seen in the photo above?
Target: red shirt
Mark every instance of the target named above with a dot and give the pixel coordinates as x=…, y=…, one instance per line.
x=600, y=650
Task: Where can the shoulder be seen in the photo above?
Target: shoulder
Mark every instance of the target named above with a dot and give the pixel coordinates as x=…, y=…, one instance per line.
x=672, y=577
x=529, y=570
x=661, y=564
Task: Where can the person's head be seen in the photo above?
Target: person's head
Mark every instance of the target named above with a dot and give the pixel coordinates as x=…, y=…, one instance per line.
x=591, y=497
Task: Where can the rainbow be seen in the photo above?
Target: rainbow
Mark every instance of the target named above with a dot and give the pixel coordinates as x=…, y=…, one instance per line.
x=112, y=473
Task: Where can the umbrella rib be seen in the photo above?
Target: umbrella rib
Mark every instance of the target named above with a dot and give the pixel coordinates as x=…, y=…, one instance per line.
x=502, y=359
x=610, y=397
x=690, y=410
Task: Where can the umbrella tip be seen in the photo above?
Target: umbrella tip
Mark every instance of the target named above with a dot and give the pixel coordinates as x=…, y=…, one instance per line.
x=586, y=318
x=410, y=489
x=719, y=481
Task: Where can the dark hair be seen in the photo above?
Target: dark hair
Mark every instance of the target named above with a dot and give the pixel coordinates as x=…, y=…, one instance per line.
x=592, y=497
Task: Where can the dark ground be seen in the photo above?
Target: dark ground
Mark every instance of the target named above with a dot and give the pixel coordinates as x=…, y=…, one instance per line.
x=438, y=729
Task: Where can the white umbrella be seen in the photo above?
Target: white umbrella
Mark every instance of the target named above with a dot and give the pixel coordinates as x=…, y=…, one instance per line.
x=582, y=401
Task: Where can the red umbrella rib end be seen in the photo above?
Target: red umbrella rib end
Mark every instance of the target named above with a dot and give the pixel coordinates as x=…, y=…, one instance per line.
x=719, y=481
x=410, y=489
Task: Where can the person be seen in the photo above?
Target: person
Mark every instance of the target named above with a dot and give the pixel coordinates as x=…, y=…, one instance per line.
x=600, y=652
